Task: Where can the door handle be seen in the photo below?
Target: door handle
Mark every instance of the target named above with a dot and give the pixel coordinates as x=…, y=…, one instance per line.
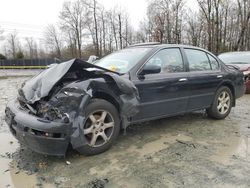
x=219, y=76
x=182, y=79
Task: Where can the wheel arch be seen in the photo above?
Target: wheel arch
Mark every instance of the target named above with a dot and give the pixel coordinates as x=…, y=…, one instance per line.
x=108, y=97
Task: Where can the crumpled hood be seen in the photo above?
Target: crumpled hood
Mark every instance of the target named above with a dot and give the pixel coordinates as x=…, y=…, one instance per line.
x=40, y=85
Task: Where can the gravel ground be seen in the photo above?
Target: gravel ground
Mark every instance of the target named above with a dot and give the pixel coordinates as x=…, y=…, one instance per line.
x=19, y=72
x=184, y=151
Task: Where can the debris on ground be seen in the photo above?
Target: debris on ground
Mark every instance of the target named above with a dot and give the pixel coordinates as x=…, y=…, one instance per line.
x=186, y=143
x=98, y=183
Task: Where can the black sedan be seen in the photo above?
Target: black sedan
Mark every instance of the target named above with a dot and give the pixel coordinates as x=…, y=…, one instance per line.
x=85, y=105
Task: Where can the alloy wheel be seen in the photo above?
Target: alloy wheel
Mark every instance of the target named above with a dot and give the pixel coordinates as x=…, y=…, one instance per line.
x=223, y=103
x=99, y=128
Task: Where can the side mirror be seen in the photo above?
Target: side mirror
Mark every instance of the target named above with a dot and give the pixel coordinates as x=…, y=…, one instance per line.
x=150, y=69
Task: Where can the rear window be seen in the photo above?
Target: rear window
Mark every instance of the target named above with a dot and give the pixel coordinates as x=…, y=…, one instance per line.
x=198, y=60
x=213, y=62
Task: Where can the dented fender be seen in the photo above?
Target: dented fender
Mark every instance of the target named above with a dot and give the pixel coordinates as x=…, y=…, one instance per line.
x=119, y=89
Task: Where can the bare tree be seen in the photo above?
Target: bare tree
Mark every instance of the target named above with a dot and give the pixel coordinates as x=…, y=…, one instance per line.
x=166, y=18
x=74, y=17
x=53, y=39
x=120, y=29
x=206, y=8
x=127, y=30
x=71, y=42
x=104, y=23
x=32, y=48
x=194, y=29
x=244, y=15
x=114, y=28
x=218, y=25
x=94, y=10
x=13, y=44
x=1, y=34
x=96, y=28
x=177, y=9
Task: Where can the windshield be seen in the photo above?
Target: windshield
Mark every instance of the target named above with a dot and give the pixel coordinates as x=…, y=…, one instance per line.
x=123, y=60
x=236, y=58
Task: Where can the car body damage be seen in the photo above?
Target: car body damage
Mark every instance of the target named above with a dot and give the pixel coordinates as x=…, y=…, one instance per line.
x=60, y=94
x=86, y=105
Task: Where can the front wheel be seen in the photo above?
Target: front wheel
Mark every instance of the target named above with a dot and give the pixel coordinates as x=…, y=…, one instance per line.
x=222, y=104
x=101, y=128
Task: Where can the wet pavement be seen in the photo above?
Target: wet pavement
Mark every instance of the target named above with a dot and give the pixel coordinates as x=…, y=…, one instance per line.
x=184, y=151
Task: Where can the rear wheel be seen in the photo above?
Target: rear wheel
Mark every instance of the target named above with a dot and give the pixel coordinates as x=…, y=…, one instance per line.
x=101, y=127
x=222, y=103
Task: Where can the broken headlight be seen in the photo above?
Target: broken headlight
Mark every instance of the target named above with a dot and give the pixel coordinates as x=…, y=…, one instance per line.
x=61, y=105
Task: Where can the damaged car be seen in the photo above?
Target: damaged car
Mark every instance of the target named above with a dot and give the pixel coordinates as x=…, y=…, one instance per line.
x=241, y=61
x=86, y=105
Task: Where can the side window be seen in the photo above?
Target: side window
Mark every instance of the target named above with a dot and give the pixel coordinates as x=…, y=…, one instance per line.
x=198, y=60
x=213, y=62
x=169, y=60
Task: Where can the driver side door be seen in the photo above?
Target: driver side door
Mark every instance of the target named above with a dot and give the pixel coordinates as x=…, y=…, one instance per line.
x=164, y=93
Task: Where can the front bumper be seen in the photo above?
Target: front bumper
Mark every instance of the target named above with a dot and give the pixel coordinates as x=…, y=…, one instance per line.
x=40, y=135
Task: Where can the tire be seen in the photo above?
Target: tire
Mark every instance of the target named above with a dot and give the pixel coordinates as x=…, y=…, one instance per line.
x=222, y=103
x=102, y=118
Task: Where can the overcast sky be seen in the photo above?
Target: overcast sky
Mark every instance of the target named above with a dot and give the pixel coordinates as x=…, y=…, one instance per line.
x=29, y=17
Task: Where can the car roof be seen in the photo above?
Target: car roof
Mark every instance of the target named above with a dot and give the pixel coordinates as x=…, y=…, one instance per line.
x=235, y=53
x=160, y=45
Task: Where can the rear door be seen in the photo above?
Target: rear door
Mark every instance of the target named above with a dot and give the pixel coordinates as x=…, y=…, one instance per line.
x=164, y=93
x=204, y=77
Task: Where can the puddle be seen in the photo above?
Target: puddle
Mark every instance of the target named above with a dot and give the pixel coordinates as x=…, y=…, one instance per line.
x=10, y=176
x=157, y=145
x=7, y=143
x=152, y=147
x=237, y=146
x=22, y=180
x=106, y=169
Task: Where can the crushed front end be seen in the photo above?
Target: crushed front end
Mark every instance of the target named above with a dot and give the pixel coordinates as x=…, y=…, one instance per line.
x=40, y=135
x=48, y=113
